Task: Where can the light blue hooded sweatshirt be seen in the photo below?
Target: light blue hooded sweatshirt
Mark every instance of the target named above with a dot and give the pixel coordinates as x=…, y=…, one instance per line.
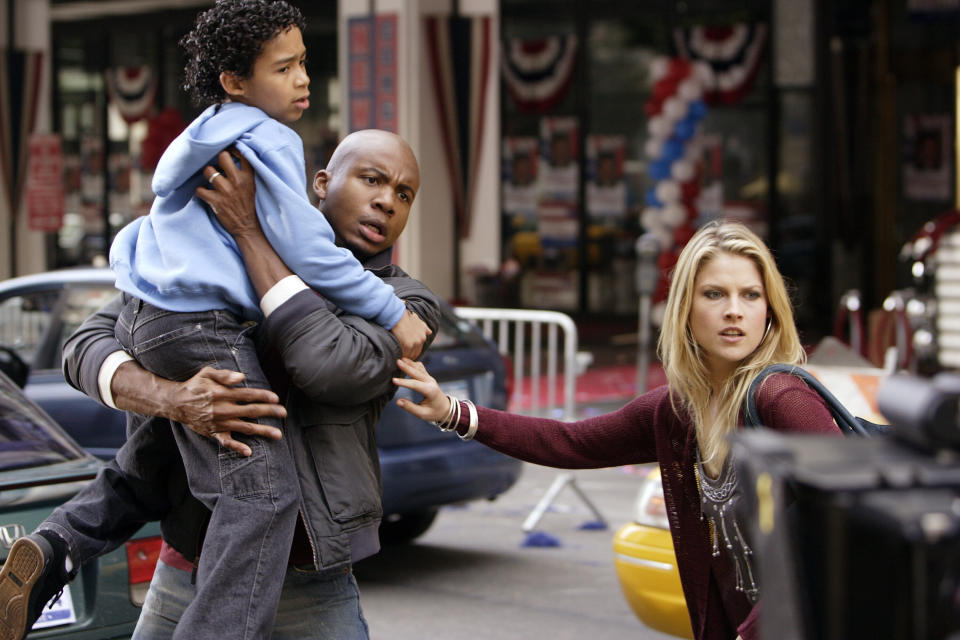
x=180, y=258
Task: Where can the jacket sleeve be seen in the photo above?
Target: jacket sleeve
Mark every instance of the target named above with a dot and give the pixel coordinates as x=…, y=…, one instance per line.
x=88, y=346
x=303, y=238
x=342, y=359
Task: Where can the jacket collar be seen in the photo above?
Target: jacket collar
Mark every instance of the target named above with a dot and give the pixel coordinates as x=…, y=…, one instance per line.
x=379, y=260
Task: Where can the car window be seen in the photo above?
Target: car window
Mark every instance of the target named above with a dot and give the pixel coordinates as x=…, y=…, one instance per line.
x=80, y=302
x=24, y=321
x=28, y=437
x=456, y=333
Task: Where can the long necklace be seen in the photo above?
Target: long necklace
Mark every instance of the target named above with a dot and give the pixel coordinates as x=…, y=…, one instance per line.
x=718, y=504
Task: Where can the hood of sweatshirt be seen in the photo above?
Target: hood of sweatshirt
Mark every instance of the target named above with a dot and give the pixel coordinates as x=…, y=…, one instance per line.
x=198, y=145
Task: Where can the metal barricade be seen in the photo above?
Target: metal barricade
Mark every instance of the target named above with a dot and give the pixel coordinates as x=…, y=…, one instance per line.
x=508, y=329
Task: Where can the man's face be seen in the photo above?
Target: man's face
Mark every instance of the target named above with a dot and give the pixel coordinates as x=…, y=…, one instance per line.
x=367, y=196
x=278, y=82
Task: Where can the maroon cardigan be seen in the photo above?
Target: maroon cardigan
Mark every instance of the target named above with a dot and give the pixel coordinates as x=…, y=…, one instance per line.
x=647, y=429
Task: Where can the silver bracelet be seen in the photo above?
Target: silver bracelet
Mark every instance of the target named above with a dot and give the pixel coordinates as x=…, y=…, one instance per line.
x=445, y=422
x=456, y=421
x=472, y=429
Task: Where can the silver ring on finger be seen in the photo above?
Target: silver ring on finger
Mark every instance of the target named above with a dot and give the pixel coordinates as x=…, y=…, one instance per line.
x=216, y=174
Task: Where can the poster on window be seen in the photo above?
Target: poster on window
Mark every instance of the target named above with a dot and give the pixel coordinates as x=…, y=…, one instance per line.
x=521, y=155
x=927, y=166
x=606, y=187
x=559, y=170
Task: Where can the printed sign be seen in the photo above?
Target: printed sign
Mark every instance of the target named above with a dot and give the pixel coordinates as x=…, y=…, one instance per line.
x=45, y=195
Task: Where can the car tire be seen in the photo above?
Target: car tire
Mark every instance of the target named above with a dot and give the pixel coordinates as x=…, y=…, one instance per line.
x=402, y=528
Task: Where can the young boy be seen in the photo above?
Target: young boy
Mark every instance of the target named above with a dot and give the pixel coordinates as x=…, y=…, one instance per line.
x=189, y=302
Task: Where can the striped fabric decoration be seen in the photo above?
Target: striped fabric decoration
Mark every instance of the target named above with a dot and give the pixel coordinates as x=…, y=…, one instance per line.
x=459, y=53
x=20, y=75
x=537, y=73
x=734, y=53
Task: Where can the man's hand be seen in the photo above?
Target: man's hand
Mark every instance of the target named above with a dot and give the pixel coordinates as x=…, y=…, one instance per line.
x=212, y=405
x=232, y=195
x=412, y=333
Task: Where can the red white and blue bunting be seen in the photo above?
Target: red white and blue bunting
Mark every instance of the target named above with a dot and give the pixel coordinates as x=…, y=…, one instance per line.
x=132, y=90
x=538, y=72
x=674, y=111
x=734, y=53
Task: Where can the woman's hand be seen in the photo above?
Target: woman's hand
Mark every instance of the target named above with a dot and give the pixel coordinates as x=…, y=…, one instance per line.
x=435, y=404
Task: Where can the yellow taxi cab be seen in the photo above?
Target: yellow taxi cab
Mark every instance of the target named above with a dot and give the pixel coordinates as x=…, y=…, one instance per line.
x=646, y=564
x=643, y=549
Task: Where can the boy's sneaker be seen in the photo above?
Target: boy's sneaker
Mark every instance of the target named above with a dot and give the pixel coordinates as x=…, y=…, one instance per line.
x=31, y=576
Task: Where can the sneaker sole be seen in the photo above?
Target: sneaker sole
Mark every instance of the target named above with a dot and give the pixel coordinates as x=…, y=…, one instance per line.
x=20, y=573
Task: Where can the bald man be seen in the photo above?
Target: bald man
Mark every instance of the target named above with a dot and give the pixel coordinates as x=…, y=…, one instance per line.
x=365, y=193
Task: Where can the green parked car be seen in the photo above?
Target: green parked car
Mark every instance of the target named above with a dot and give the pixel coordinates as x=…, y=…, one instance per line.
x=40, y=468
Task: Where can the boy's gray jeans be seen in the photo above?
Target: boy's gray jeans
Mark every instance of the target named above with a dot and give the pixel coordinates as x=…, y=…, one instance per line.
x=253, y=500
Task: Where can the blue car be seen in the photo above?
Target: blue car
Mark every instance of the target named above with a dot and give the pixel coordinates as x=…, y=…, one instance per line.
x=423, y=468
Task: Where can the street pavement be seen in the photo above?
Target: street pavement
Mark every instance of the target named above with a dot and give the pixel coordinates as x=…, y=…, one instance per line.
x=471, y=577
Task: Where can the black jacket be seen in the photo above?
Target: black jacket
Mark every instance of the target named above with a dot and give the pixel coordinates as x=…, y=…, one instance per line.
x=334, y=373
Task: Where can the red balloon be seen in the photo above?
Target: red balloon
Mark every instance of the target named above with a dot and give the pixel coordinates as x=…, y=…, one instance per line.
x=683, y=234
x=679, y=68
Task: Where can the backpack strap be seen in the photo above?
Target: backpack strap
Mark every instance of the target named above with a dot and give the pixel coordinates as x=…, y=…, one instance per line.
x=845, y=420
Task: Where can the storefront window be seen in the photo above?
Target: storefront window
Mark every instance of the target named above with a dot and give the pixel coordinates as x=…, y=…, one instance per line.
x=578, y=153
x=118, y=103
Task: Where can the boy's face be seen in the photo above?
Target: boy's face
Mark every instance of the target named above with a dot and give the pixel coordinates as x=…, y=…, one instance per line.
x=278, y=82
x=367, y=196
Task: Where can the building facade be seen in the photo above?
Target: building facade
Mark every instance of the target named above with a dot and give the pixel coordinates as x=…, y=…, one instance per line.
x=552, y=134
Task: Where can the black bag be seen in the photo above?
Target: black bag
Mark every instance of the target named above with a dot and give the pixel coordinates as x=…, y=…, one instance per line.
x=847, y=422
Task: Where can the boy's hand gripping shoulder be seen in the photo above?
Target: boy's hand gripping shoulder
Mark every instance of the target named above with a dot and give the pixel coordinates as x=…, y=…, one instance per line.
x=412, y=333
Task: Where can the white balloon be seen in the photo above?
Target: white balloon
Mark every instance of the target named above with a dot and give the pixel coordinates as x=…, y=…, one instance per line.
x=659, y=127
x=658, y=68
x=668, y=192
x=704, y=73
x=664, y=236
x=690, y=89
x=653, y=148
x=681, y=170
x=674, y=108
x=674, y=215
x=650, y=219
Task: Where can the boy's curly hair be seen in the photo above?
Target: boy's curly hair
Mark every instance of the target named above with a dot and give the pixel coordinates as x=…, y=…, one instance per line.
x=230, y=37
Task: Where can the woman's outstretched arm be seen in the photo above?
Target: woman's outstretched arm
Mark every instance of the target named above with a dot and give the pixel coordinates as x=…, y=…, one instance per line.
x=625, y=436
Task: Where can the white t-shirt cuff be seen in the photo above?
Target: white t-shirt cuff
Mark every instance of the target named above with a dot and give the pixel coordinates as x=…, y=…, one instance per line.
x=105, y=377
x=280, y=293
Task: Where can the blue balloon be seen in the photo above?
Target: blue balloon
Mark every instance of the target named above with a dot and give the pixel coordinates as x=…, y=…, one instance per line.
x=685, y=129
x=659, y=169
x=697, y=110
x=672, y=150
x=651, y=198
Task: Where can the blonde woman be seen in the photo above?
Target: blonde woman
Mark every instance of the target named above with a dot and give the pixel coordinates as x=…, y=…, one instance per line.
x=727, y=317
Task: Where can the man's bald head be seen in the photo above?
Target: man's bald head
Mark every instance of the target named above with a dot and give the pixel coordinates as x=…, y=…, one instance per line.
x=366, y=140
x=367, y=189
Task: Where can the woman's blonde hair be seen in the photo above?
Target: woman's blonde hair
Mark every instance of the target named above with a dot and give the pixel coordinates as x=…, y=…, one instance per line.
x=681, y=355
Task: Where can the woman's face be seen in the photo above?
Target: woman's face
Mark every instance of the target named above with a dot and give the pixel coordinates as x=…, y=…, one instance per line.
x=729, y=312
